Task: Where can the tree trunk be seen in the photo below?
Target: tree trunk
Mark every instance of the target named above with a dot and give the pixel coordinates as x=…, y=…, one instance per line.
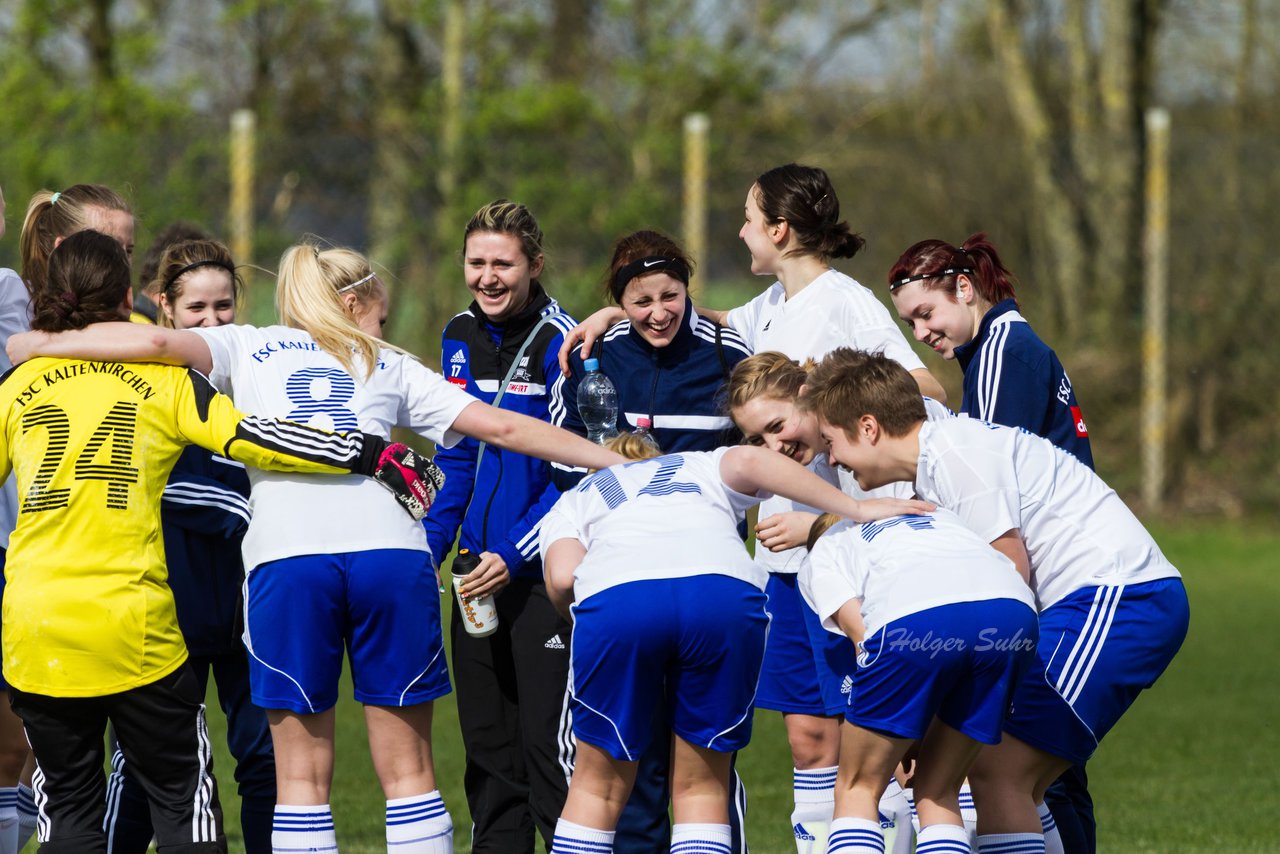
x=1058, y=234
x=392, y=174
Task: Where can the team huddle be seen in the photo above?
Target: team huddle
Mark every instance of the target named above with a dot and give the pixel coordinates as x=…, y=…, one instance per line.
x=949, y=612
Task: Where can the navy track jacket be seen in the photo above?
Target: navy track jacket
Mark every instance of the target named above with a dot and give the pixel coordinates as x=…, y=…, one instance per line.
x=499, y=507
x=204, y=514
x=678, y=387
x=1011, y=377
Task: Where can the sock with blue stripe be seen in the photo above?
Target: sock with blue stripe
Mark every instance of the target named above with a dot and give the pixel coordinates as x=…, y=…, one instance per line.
x=968, y=812
x=815, y=798
x=419, y=825
x=855, y=836
x=1052, y=838
x=26, y=815
x=1011, y=843
x=573, y=838
x=910, y=795
x=701, y=839
x=9, y=820
x=303, y=828
x=943, y=839
x=895, y=820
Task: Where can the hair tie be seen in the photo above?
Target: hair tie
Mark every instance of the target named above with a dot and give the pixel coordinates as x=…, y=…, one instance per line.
x=950, y=271
x=644, y=266
x=204, y=262
x=67, y=303
x=56, y=196
x=357, y=283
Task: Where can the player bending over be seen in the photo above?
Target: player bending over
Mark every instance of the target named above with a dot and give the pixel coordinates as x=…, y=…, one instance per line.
x=1113, y=611
x=643, y=550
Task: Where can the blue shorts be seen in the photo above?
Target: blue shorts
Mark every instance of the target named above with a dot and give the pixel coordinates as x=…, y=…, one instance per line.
x=806, y=668
x=382, y=605
x=1099, y=648
x=698, y=640
x=960, y=662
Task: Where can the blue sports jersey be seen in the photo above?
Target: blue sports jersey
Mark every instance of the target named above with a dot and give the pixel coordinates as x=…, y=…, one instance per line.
x=677, y=387
x=1011, y=377
x=499, y=506
x=204, y=514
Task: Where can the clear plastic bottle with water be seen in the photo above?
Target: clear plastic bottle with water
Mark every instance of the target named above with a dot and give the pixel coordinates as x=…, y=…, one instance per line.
x=644, y=430
x=598, y=404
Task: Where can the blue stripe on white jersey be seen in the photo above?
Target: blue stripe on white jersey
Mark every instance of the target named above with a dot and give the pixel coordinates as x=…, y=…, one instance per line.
x=668, y=517
x=869, y=530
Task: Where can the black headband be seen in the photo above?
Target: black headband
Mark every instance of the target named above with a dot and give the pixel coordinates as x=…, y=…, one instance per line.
x=208, y=262
x=644, y=266
x=950, y=271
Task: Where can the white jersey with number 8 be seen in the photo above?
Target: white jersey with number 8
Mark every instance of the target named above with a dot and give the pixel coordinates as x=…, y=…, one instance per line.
x=282, y=372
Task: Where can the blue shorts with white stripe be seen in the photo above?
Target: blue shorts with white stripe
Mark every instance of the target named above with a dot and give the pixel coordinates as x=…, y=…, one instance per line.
x=1099, y=648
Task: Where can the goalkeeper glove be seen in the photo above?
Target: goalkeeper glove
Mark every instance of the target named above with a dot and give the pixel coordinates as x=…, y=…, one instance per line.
x=411, y=477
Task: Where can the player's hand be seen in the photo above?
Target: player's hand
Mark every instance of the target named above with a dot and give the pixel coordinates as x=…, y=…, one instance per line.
x=884, y=508
x=783, y=531
x=489, y=576
x=587, y=332
x=24, y=345
x=412, y=478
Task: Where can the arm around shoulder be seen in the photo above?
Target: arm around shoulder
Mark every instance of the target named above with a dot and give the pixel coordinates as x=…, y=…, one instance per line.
x=117, y=342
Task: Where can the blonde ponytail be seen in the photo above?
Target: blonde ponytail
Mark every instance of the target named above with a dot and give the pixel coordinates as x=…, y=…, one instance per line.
x=309, y=297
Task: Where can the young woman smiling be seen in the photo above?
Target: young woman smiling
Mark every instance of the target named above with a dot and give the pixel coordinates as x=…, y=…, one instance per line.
x=667, y=363
x=512, y=684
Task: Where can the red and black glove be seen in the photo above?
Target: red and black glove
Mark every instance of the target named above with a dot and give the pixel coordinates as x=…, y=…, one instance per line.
x=412, y=478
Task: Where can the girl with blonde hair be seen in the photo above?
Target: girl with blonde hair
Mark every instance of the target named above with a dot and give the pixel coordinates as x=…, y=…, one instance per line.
x=336, y=569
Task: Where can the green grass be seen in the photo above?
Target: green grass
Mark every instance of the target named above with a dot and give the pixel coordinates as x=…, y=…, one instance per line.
x=1192, y=767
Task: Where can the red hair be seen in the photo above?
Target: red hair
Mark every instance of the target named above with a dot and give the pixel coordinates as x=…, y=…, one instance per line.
x=936, y=264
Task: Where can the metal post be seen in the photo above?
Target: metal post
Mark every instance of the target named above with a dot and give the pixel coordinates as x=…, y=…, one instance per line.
x=1155, y=266
x=696, y=129
x=240, y=218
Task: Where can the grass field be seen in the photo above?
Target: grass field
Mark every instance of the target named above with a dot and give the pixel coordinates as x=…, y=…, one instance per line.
x=1192, y=767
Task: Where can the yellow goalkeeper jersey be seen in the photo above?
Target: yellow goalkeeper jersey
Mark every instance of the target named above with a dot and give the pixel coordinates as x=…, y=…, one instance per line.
x=87, y=606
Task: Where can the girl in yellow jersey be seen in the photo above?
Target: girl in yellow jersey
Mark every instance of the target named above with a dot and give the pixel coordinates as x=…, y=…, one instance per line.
x=89, y=629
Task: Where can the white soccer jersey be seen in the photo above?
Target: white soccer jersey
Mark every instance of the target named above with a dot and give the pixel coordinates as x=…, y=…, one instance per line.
x=904, y=565
x=669, y=517
x=832, y=311
x=791, y=560
x=282, y=372
x=1077, y=531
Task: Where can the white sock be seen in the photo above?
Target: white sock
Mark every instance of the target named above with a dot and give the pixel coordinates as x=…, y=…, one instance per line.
x=895, y=809
x=1052, y=838
x=969, y=813
x=9, y=820
x=700, y=839
x=26, y=815
x=855, y=836
x=1011, y=843
x=308, y=828
x=815, y=798
x=943, y=839
x=573, y=838
x=419, y=825
x=910, y=795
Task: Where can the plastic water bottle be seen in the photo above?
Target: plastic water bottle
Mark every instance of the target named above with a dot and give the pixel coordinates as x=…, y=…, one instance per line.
x=598, y=404
x=644, y=431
